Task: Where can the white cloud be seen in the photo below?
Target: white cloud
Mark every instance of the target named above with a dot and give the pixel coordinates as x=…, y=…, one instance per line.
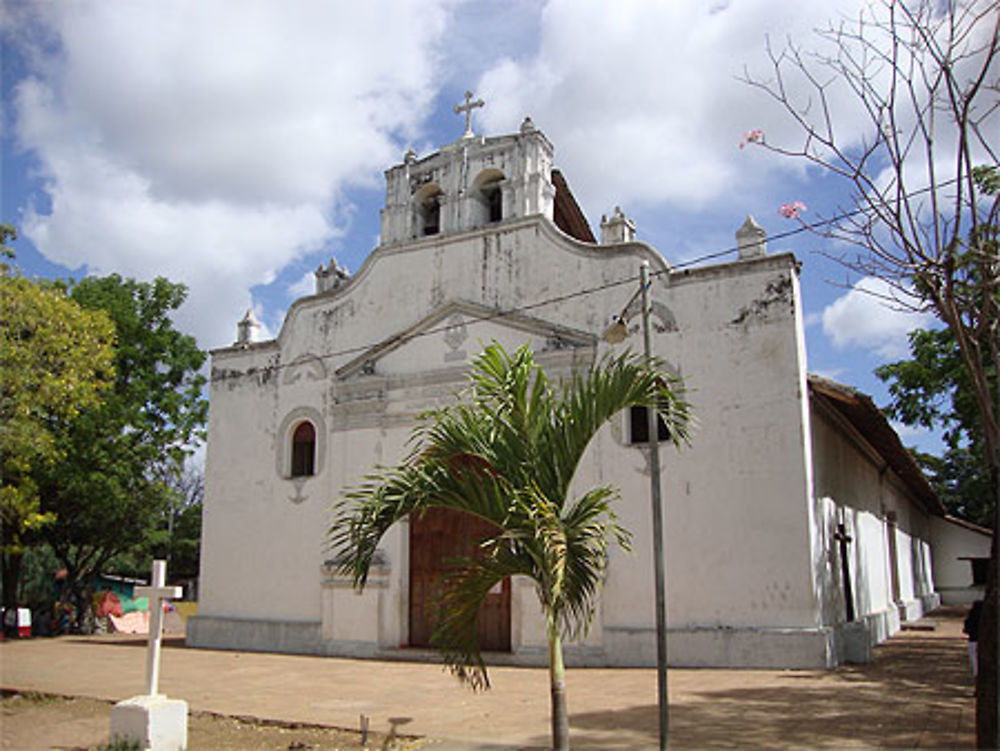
x=910, y=433
x=865, y=317
x=213, y=143
x=265, y=332
x=306, y=285
x=642, y=99
x=833, y=374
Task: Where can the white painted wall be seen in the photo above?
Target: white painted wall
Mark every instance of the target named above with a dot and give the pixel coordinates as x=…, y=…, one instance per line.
x=729, y=330
x=746, y=550
x=890, y=534
x=953, y=542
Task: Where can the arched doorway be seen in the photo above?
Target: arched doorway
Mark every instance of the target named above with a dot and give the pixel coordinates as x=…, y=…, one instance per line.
x=438, y=536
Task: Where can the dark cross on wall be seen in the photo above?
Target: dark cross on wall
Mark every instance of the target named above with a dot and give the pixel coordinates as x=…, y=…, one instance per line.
x=843, y=538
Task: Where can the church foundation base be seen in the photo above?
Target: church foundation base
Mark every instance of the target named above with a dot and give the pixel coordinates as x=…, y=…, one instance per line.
x=854, y=640
x=723, y=647
x=961, y=595
x=293, y=637
x=623, y=647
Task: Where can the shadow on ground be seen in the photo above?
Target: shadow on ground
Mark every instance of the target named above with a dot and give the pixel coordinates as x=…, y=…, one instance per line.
x=916, y=693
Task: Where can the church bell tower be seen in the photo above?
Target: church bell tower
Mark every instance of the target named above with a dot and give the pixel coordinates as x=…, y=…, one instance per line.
x=470, y=184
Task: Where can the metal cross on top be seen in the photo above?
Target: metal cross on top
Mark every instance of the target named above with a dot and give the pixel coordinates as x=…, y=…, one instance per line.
x=467, y=109
x=157, y=593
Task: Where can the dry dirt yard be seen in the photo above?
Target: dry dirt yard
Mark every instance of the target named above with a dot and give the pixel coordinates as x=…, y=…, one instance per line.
x=42, y=722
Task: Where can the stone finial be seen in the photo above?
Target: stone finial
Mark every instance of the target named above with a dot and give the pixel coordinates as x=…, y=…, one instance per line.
x=410, y=156
x=618, y=229
x=247, y=328
x=751, y=239
x=528, y=126
x=331, y=276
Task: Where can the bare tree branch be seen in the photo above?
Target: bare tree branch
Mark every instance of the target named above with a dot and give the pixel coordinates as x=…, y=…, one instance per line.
x=925, y=76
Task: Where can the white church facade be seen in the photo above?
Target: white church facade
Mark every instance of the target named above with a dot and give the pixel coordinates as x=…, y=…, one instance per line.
x=798, y=531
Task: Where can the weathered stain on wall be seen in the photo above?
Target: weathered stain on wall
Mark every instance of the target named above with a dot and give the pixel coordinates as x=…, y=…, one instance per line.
x=777, y=293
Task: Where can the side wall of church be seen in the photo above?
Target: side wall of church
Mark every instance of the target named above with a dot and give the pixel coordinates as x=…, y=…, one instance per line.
x=362, y=361
x=955, y=542
x=889, y=553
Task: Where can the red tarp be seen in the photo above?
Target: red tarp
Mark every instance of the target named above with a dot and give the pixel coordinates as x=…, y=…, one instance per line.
x=108, y=604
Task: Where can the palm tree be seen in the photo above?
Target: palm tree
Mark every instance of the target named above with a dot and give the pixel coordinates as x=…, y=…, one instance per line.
x=507, y=452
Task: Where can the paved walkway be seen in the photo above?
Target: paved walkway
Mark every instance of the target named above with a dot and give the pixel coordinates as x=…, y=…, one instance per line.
x=917, y=693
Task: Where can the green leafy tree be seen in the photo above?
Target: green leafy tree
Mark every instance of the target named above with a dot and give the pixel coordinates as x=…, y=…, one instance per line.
x=175, y=535
x=55, y=358
x=507, y=452
x=109, y=491
x=180, y=539
x=932, y=390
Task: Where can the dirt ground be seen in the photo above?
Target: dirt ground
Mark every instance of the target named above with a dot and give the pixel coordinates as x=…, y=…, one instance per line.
x=42, y=722
x=916, y=693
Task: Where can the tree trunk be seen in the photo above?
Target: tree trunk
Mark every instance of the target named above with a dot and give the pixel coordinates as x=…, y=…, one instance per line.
x=11, y=580
x=557, y=683
x=79, y=593
x=987, y=700
x=85, y=608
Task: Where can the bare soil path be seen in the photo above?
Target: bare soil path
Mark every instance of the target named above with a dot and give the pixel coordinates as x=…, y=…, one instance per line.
x=916, y=693
x=42, y=722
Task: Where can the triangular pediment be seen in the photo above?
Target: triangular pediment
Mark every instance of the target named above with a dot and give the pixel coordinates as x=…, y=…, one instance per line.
x=457, y=331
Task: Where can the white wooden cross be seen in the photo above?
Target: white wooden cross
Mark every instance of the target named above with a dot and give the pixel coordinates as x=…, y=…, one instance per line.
x=156, y=593
x=467, y=109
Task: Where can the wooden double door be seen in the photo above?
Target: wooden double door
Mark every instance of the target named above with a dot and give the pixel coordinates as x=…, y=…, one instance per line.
x=437, y=537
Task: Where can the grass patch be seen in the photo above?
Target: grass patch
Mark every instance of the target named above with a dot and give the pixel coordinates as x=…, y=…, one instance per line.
x=28, y=698
x=121, y=744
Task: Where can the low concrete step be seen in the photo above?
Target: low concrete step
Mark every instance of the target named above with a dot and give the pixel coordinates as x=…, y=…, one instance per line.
x=919, y=626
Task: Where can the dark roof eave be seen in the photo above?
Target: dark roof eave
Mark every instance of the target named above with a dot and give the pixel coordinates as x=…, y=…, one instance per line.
x=567, y=214
x=958, y=521
x=862, y=413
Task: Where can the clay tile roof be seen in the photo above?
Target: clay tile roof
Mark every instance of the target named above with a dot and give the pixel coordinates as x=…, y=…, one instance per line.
x=860, y=411
x=568, y=215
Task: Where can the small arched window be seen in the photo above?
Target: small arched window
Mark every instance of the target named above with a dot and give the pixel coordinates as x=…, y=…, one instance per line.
x=304, y=450
x=428, y=204
x=494, y=202
x=490, y=195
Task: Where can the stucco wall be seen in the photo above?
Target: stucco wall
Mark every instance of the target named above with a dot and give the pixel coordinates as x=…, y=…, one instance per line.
x=889, y=552
x=953, y=544
x=737, y=517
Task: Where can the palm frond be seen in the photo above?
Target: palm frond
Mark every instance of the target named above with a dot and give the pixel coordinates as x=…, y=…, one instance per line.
x=465, y=588
x=590, y=526
x=364, y=514
x=507, y=453
x=590, y=400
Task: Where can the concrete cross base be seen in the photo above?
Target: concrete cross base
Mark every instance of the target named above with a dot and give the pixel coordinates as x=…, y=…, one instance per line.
x=156, y=722
x=857, y=643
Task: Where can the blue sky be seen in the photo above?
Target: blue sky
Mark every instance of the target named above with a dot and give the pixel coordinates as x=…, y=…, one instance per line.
x=235, y=147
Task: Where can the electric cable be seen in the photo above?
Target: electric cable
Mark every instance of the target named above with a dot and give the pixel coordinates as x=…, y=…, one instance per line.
x=499, y=314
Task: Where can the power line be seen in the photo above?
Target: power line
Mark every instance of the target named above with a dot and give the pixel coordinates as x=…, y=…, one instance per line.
x=500, y=314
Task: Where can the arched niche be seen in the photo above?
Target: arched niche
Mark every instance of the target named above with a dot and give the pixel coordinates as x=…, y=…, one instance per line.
x=427, y=210
x=301, y=445
x=487, y=194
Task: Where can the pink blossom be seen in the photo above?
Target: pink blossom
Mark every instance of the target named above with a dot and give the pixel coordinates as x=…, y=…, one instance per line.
x=792, y=210
x=752, y=136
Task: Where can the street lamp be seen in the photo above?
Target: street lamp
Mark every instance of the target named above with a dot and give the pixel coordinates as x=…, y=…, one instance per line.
x=614, y=334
